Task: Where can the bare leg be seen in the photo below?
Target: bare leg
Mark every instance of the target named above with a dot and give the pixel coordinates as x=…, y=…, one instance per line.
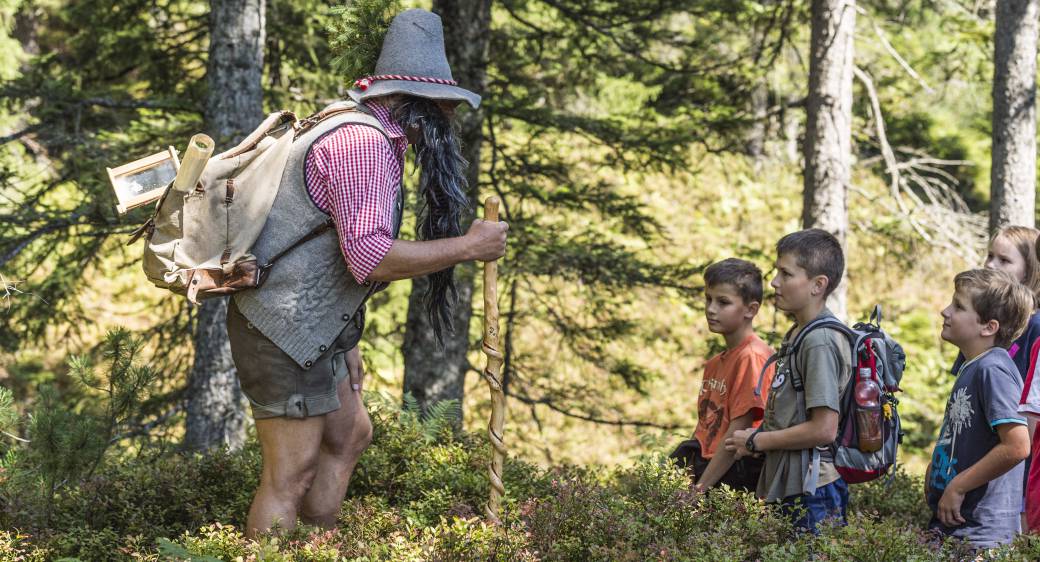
x=348, y=431
x=290, y=453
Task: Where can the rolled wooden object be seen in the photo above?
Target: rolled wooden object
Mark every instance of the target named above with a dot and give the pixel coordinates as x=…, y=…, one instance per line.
x=200, y=148
x=492, y=374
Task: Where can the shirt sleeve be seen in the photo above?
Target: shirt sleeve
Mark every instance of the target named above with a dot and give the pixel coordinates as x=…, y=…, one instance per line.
x=1030, y=400
x=745, y=379
x=358, y=166
x=998, y=391
x=822, y=365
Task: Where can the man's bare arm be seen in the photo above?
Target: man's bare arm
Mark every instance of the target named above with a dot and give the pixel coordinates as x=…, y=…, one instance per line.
x=485, y=241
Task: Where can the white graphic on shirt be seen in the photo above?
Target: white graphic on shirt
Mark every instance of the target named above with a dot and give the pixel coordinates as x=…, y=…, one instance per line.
x=716, y=385
x=780, y=375
x=958, y=418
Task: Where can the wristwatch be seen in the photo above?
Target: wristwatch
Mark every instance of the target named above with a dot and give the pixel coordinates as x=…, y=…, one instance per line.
x=750, y=443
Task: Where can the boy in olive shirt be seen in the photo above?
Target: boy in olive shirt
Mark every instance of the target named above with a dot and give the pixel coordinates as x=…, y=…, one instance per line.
x=798, y=471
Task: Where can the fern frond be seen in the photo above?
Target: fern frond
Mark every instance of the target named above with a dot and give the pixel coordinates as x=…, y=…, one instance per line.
x=441, y=418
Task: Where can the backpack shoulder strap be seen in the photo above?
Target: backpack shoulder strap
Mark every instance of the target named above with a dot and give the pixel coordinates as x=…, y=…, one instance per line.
x=272, y=123
x=825, y=322
x=304, y=125
x=361, y=117
x=811, y=457
x=762, y=374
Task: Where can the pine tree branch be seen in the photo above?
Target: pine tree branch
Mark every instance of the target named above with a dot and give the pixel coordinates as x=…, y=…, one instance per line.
x=548, y=402
x=17, y=135
x=145, y=428
x=46, y=229
x=133, y=104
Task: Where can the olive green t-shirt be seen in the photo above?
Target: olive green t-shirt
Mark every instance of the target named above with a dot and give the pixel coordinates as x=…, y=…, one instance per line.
x=824, y=361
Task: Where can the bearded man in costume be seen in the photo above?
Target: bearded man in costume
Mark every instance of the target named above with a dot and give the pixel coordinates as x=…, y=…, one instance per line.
x=294, y=340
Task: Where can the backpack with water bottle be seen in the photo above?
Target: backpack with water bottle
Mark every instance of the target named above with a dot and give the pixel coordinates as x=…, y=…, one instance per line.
x=869, y=431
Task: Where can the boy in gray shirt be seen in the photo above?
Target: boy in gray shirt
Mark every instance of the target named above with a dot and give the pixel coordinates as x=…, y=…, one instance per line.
x=974, y=482
x=809, y=267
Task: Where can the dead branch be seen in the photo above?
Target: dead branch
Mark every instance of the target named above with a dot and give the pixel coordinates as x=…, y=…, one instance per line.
x=941, y=217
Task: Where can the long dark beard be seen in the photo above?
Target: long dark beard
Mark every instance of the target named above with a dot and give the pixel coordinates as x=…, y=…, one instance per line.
x=442, y=196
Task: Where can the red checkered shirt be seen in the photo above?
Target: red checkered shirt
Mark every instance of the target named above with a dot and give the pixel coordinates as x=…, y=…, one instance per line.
x=353, y=175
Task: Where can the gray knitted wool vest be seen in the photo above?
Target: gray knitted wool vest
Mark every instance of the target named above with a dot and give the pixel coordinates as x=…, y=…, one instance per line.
x=309, y=295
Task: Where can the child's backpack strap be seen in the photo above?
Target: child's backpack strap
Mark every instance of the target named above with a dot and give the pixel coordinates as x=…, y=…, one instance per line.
x=811, y=458
x=762, y=374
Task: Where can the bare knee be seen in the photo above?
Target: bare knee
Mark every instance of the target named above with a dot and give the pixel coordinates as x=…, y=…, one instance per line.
x=290, y=485
x=351, y=441
x=363, y=434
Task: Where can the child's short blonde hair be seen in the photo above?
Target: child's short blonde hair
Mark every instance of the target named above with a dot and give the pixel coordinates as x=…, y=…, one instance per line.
x=996, y=295
x=1024, y=238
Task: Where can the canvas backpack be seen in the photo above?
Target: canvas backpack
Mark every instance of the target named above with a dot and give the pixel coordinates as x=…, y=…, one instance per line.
x=198, y=242
x=876, y=355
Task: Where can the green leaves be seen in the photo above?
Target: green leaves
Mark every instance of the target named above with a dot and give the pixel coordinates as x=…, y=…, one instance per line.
x=66, y=445
x=356, y=35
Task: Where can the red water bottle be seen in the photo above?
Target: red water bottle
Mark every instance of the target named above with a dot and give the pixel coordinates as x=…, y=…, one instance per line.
x=868, y=411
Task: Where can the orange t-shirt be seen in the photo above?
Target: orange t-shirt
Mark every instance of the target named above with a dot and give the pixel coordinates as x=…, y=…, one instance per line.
x=728, y=391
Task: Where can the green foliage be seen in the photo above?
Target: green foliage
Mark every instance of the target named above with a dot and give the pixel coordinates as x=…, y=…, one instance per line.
x=357, y=30
x=426, y=471
x=8, y=413
x=66, y=446
x=136, y=88
x=415, y=499
x=647, y=512
x=140, y=500
x=895, y=498
x=16, y=547
x=599, y=120
x=609, y=129
x=436, y=423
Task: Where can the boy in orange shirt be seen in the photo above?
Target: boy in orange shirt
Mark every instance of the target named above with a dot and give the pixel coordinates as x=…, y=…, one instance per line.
x=727, y=401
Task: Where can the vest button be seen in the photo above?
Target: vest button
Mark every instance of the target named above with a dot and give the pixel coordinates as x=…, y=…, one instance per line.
x=308, y=364
x=322, y=348
x=346, y=317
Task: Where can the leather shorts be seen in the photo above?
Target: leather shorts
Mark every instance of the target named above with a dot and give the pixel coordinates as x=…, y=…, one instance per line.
x=275, y=384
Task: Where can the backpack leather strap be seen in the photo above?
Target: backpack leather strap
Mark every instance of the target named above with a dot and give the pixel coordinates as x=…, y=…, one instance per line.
x=270, y=124
x=328, y=224
x=316, y=232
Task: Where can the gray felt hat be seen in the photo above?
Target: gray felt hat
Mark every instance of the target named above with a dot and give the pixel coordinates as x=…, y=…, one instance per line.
x=413, y=62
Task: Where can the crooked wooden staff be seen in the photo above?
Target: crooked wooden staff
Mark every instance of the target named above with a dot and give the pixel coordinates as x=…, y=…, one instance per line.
x=492, y=373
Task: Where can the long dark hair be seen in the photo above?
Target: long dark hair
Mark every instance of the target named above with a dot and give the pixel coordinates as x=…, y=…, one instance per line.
x=442, y=194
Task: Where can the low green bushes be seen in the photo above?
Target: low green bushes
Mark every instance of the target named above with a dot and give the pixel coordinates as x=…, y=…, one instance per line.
x=418, y=494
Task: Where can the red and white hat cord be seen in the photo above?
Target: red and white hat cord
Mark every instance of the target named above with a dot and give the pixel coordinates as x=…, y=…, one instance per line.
x=363, y=83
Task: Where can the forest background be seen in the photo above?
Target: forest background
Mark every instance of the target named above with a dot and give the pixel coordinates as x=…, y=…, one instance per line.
x=632, y=142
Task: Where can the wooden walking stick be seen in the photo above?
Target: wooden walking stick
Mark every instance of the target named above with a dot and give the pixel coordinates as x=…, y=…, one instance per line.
x=491, y=373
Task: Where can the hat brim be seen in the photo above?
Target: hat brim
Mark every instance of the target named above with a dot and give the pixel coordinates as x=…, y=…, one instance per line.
x=421, y=89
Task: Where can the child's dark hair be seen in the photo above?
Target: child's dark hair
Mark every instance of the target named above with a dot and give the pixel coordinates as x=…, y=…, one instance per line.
x=816, y=251
x=743, y=275
x=996, y=295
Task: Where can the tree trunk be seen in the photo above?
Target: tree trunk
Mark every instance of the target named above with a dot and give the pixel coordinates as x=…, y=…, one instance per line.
x=433, y=373
x=1013, y=175
x=758, y=132
x=216, y=415
x=828, y=135
x=26, y=31
x=216, y=407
